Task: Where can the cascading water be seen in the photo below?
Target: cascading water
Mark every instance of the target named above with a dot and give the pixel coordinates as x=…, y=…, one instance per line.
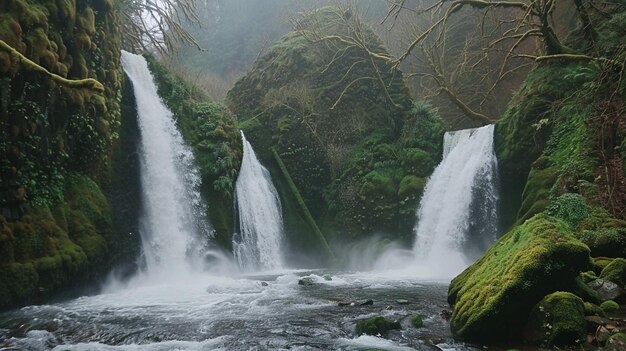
x=172, y=222
x=457, y=217
x=257, y=245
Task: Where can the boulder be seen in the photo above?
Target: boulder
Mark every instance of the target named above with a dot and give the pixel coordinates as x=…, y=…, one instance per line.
x=557, y=320
x=606, y=290
x=615, y=272
x=376, y=326
x=492, y=297
x=306, y=281
x=416, y=321
x=402, y=302
x=609, y=306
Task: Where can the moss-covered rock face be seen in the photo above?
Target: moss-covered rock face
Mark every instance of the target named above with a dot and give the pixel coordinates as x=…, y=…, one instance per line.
x=357, y=155
x=609, y=306
x=55, y=137
x=210, y=129
x=492, y=297
x=557, y=320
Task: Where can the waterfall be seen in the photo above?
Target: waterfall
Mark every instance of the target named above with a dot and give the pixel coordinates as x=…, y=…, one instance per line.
x=257, y=245
x=457, y=217
x=172, y=224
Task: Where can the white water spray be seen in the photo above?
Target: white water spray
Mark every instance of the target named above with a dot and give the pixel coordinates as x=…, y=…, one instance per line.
x=457, y=217
x=172, y=223
x=257, y=245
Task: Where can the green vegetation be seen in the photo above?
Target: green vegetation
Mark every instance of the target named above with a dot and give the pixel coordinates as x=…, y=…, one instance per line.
x=375, y=326
x=357, y=157
x=557, y=320
x=609, y=306
x=59, y=120
x=492, y=297
x=615, y=272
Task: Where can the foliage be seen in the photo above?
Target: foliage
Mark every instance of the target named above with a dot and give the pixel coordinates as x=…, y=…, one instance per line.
x=345, y=145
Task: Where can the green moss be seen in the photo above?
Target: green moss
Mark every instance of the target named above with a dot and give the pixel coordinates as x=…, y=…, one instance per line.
x=557, y=320
x=593, y=310
x=416, y=321
x=616, y=342
x=376, y=326
x=492, y=296
x=411, y=185
x=609, y=306
x=615, y=272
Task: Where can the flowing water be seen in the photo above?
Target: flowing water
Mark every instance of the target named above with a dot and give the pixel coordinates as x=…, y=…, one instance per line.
x=457, y=217
x=173, y=306
x=172, y=221
x=257, y=244
x=262, y=312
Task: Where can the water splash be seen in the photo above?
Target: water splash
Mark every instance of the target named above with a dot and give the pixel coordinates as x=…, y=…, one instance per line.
x=173, y=225
x=257, y=245
x=457, y=217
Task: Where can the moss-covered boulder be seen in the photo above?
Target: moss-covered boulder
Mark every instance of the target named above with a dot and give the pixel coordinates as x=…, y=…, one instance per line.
x=416, y=321
x=609, y=306
x=593, y=310
x=357, y=149
x=376, y=326
x=616, y=342
x=492, y=297
x=615, y=272
x=557, y=320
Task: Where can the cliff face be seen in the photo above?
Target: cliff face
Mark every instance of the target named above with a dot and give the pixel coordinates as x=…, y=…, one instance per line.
x=560, y=147
x=60, y=90
x=353, y=145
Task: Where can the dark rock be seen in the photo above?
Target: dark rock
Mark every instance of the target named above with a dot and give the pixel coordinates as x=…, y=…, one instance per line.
x=606, y=290
x=264, y=284
x=602, y=334
x=327, y=277
x=445, y=315
x=593, y=322
x=306, y=281
x=376, y=326
x=367, y=302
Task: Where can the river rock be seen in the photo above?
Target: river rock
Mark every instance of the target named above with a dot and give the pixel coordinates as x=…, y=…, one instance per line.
x=306, y=281
x=376, y=326
x=492, y=297
x=402, y=302
x=367, y=302
x=606, y=290
x=264, y=284
x=327, y=277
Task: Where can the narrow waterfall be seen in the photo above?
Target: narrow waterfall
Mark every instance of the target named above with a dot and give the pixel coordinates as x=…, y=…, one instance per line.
x=172, y=222
x=257, y=246
x=457, y=217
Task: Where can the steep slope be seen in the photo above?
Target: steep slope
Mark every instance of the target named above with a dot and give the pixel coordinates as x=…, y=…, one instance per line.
x=346, y=136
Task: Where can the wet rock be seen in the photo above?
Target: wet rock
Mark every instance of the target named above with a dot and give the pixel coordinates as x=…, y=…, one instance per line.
x=367, y=302
x=445, y=315
x=606, y=290
x=416, y=321
x=343, y=303
x=306, y=281
x=327, y=277
x=376, y=326
x=593, y=322
x=264, y=284
x=402, y=302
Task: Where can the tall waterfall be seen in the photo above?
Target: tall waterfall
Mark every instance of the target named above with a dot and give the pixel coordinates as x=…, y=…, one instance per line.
x=172, y=221
x=258, y=243
x=457, y=217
